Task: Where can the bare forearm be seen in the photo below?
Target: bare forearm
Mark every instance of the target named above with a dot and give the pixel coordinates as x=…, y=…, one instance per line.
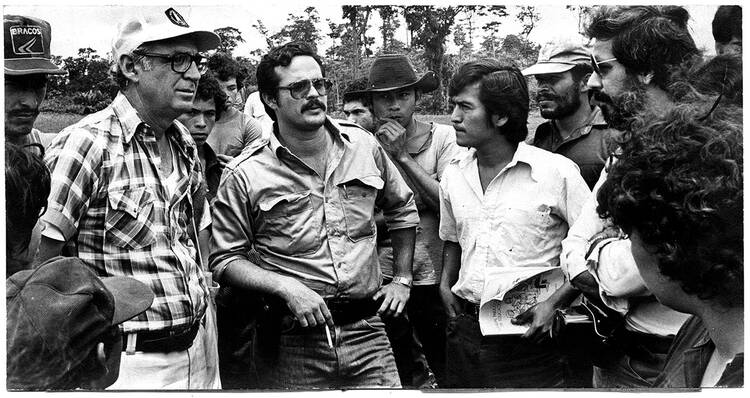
x=402, y=241
x=563, y=296
x=243, y=274
x=428, y=187
x=451, y=264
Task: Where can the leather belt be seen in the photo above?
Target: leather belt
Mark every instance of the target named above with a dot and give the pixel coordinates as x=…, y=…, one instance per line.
x=163, y=340
x=469, y=307
x=346, y=311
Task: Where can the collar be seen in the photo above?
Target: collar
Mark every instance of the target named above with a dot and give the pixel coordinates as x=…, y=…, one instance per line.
x=525, y=153
x=210, y=156
x=339, y=135
x=132, y=124
x=595, y=118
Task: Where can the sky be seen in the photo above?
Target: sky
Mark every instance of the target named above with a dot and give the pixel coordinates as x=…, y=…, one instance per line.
x=77, y=24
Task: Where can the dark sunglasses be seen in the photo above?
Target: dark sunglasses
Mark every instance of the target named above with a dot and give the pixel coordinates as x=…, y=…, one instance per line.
x=181, y=62
x=595, y=64
x=301, y=88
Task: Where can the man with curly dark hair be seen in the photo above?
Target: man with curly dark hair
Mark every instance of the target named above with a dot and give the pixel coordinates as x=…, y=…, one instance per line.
x=727, y=30
x=677, y=191
x=635, y=52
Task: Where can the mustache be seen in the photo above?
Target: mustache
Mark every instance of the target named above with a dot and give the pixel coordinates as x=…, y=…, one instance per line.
x=314, y=104
x=23, y=111
x=546, y=97
x=603, y=98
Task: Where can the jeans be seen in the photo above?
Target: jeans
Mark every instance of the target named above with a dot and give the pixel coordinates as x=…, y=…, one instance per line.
x=506, y=361
x=413, y=369
x=361, y=357
x=637, y=366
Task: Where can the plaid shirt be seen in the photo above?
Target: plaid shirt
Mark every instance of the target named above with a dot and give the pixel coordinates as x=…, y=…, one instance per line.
x=109, y=201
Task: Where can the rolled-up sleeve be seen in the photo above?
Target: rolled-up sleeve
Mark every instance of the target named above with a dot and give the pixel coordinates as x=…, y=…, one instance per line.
x=74, y=159
x=232, y=235
x=447, y=229
x=396, y=199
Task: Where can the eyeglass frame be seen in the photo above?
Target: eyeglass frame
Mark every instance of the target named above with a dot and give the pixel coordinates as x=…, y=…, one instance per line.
x=327, y=85
x=595, y=64
x=194, y=58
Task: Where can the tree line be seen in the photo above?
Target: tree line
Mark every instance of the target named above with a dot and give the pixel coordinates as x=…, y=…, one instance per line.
x=88, y=88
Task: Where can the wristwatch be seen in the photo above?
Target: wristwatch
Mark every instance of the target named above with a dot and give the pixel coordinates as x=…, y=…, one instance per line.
x=402, y=280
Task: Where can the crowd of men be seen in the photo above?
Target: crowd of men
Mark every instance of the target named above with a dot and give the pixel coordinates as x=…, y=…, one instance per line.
x=186, y=239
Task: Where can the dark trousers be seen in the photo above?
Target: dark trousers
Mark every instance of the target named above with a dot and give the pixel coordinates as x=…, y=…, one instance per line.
x=506, y=361
x=427, y=315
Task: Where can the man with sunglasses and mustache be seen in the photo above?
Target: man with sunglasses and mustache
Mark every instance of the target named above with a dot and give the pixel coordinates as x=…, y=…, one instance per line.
x=304, y=200
x=123, y=197
x=575, y=129
x=27, y=64
x=635, y=50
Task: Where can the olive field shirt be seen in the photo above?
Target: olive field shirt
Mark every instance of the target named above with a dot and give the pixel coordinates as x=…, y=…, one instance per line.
x=588, y=146
x=318, y=231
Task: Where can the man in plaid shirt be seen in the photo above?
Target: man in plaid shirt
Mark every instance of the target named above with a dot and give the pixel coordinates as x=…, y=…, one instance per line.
x=122, y=200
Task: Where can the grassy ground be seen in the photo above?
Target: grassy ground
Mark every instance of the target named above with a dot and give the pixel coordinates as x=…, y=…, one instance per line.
x=54, y=122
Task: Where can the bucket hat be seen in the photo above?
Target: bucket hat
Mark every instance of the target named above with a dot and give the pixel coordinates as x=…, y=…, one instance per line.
x=58, y=312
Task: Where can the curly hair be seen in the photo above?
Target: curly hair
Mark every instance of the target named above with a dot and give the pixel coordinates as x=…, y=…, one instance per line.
x=355, y=91
x=503, y=91
x=224, y=67
x=210, y=89
x=645, y=39
x=678, y=183
x=268, y=80
x=27, y=185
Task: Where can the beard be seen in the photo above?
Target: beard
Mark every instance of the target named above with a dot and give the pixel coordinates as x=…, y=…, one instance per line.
x=566, y=104
x=619, y=111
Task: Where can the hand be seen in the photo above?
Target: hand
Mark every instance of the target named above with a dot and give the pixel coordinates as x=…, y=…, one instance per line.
x=540, y=316
x=307, y=306
x=586, y=283
x=395, y=296
x=450, y=302
x=392, y=137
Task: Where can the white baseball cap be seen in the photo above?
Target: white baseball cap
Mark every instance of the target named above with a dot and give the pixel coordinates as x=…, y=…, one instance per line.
x=152, y=26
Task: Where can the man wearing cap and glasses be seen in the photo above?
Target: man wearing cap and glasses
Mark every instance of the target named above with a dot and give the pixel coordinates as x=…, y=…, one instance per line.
x=421, y=151
x=575, y=129
x=304, y=199
x=635, y=50
x=122, y=199
x=27, y=64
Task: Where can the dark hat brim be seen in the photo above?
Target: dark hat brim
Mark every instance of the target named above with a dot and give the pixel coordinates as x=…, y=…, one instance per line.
x=428, y=82
x=132, y=297
x=31, y=66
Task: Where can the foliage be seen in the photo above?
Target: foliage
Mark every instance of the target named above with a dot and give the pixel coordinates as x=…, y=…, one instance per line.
x=299, y=28
x=528, y=16
x=85, y=89
x=230, y=37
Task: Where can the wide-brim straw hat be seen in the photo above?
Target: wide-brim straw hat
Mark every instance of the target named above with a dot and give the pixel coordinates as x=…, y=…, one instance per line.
x=394, y=71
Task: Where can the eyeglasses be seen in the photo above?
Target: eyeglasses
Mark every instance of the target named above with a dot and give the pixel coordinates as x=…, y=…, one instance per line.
x=301, y=88
x=595, y=64
x=181, y=62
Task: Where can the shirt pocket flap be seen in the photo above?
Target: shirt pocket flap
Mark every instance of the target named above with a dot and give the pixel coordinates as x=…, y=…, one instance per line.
x=269, y=203
x=373, y=181
x=130, y=200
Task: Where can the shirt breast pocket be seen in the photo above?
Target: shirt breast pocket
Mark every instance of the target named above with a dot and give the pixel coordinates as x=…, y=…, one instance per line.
x=288, y=222
x=128, y=219
x=358, y=201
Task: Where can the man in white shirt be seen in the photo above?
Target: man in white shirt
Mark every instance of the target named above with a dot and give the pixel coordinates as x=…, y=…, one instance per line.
x=505, y=205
